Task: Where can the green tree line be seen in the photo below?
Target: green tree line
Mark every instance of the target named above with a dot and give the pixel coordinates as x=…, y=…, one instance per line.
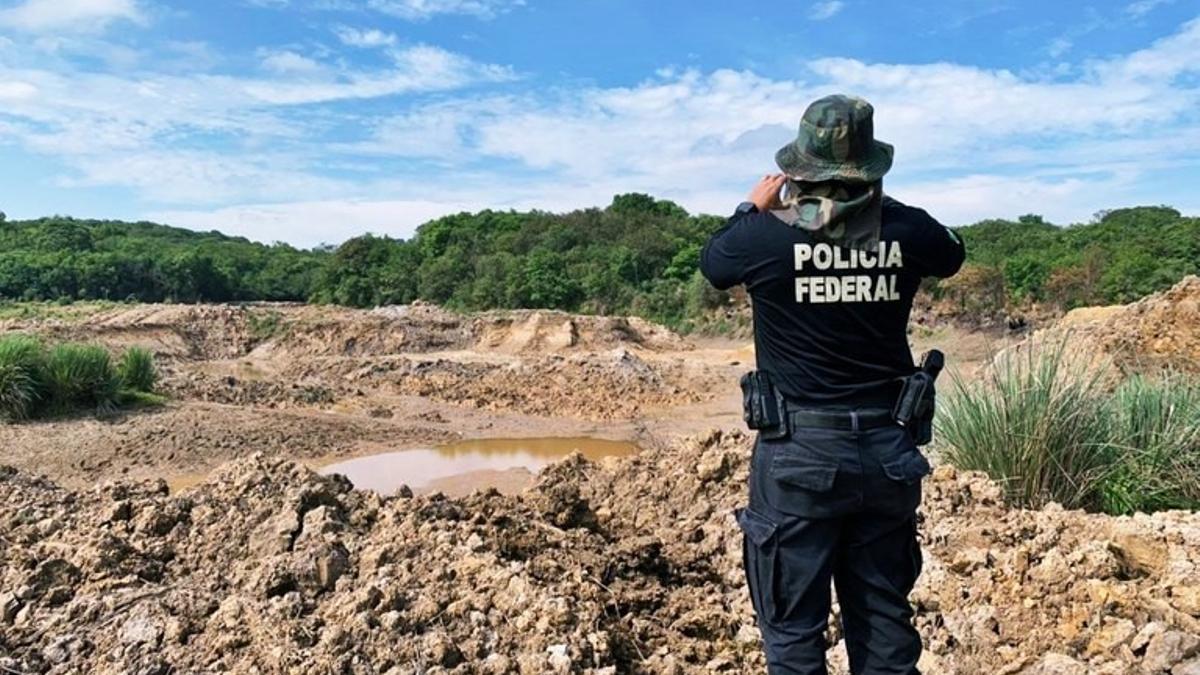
x=638, y=256
x=68, y=259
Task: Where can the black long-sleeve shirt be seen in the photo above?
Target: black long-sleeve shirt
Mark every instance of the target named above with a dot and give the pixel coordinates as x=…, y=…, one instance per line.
x=830, y=323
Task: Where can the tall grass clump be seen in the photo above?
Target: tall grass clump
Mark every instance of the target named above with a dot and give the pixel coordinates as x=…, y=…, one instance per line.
x=22, y=363
x=82, y=376
x=1037, y=424
x=1049, y=428
x=137, y=371
x=1156, y=431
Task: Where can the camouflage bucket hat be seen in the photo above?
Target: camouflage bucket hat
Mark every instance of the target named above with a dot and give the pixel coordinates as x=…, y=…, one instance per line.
x=836, y=142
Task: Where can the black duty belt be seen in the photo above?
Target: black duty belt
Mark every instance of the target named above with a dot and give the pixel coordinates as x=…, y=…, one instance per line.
x=845, y=420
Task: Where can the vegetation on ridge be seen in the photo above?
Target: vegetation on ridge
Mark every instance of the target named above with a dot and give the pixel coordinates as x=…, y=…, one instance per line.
x=637, y=256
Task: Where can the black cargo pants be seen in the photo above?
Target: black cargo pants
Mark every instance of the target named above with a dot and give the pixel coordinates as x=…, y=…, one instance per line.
x=837, y=504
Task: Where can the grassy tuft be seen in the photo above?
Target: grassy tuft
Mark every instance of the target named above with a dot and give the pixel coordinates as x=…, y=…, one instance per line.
x=265, y=325
x=82, y=376
x=22, y=362
x=1048, y=430
x=1156, y=431
x=137, y=370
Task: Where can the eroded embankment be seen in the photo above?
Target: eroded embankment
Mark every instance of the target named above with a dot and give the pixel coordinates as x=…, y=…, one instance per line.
x=1160, y=331
x=633, y=566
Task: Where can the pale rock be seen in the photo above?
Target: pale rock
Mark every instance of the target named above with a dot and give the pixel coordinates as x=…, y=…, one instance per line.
x=559, y=660
x=748, y=633
x=141, y=630
x=1186, y=599
x=497, y=664
x=968, y=560
x=1168, y=649
x=1111, y=636
x=837, y=660
x=1191, y=667
x=1145, y=635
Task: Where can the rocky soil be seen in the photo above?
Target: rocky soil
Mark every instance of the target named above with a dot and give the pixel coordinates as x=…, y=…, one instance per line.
x=630, y=566
x=616, y=384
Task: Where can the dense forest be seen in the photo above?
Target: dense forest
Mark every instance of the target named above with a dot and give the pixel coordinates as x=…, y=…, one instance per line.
x=67, y=259
x=639, y=256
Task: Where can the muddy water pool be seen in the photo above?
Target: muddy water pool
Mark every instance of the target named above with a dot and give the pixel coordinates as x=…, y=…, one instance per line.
x=507, y=464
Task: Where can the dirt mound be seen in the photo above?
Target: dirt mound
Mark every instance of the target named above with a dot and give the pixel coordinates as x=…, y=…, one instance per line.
x=271, y=567
x=330, y=331
x=1160, y=330
x=1054, y=591
x=537, y=331
x=190, y=332
x=422, y=328
x=230, y=389
x=602, y=386
x=631, y=566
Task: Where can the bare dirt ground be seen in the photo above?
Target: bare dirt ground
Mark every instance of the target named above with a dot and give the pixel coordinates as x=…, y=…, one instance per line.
x=318, y=383
x=252, y=562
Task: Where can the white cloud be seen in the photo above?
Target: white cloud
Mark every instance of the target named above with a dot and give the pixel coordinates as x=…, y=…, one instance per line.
x=821, y=11
x=1059, y=46
x=414, y=10
x=971, y=142
x=310, y=223
x=420, y=68
x=698, y=137
x=366, y=39
x=290, y=62
x=208, y=139
x=1141, y=8
x=54, y=15
x=17, y=91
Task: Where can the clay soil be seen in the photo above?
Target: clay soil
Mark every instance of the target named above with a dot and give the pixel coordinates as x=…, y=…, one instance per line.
x=196, y=537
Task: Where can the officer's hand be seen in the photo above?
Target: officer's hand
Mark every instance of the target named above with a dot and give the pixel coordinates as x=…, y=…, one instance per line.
x=765, y=195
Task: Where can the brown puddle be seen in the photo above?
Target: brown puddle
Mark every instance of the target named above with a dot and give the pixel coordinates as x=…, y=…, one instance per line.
x=507, y=464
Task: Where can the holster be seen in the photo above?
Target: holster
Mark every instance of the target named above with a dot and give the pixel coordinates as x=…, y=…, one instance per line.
x=763, y=406
x=917, y=403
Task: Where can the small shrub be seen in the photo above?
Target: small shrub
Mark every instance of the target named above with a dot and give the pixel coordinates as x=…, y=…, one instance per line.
x=137, y=371
x=82, y=376
x=22, y=362
x=265, y=326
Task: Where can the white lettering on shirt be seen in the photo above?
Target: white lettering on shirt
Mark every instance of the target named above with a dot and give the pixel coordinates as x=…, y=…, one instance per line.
x=817, y=289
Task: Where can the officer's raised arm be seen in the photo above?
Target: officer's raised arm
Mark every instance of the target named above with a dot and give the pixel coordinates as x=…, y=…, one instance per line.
x=724, y=258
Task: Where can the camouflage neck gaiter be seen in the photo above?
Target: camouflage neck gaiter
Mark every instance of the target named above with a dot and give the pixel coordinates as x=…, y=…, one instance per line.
x=841, y=214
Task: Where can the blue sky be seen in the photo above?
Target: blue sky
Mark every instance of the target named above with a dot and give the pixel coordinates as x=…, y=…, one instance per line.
x=315, y=120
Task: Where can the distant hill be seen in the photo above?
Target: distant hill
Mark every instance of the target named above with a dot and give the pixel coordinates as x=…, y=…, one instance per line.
x=637, y=256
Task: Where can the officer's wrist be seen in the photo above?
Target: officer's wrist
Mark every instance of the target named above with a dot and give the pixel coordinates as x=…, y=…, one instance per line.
x=745, y=208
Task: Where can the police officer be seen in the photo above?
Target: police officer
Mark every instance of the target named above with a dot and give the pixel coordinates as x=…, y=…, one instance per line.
x=831, y=266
